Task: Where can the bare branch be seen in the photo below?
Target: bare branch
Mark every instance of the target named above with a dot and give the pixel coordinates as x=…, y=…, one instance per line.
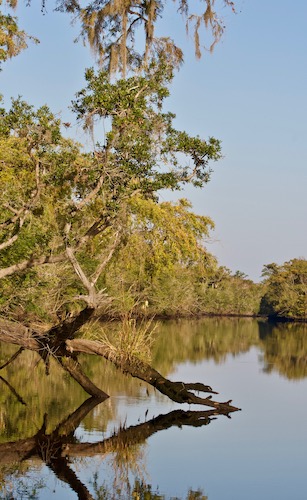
x=92, y=194
x=32, y=262
x=12, y=209
x=107, y=259
x=73, y=367
x=15, y=237
x=9, y=242
x=78, y=269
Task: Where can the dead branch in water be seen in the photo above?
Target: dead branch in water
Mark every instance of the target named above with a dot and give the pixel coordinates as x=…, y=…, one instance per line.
x=59, y=341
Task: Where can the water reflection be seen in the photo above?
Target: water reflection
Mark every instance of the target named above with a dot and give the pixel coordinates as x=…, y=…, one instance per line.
x=283, y=345
x=285, y=348
x=207, y=338
x=34, y=433
x=58, y=448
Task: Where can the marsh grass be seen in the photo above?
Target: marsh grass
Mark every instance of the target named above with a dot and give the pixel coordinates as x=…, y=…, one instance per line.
x=134, y=337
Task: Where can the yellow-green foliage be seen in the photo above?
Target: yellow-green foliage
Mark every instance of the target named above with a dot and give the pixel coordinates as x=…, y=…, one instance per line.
x=163, y=249
x=286, y=289
x=173, y=232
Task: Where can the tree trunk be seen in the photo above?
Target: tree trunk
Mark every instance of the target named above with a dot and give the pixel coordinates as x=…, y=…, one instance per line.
x=60, y=342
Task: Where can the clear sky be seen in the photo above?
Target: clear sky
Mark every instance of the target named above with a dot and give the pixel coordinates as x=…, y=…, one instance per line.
x=251, y=93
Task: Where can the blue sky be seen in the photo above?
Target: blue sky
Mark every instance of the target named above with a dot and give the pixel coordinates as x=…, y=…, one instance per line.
x=251, y=93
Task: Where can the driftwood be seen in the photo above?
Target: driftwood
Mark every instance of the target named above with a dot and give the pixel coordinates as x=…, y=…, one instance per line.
x=60, y=342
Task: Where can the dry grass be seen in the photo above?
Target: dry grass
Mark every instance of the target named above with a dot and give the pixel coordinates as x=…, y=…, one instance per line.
x=130, y=336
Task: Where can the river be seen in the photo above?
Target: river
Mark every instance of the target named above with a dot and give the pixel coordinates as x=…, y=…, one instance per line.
x=55, y=442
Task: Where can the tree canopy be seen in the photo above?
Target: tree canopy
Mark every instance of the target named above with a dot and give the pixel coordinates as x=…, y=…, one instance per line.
x=59, y=204
x=69, y=212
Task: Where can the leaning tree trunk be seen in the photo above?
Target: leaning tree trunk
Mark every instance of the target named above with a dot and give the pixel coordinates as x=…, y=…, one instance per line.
x=60, y=342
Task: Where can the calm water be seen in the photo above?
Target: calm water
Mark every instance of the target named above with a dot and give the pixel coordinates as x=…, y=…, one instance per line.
x=108, y=450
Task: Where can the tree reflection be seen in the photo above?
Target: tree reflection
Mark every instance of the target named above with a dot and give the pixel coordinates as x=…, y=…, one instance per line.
x=202, y=339
x=285, y=348
x=283, y=345
x=60, y=448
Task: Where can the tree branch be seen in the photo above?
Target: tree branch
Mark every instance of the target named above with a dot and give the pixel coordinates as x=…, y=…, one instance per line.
x=176, y=391
x=32, y=262
x=92, y=194
x=102, y=265
x=15, y=393
x=12, y=358
x=15, y=237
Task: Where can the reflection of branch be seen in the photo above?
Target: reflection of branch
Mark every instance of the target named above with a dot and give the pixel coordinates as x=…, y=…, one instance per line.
x=56, y=448
x=12, y=358
x=63, y=472
x=61, y=442
x=37, y=445
x=50, y=447
x=70, y=424
x=13, y=391
x=139, y=433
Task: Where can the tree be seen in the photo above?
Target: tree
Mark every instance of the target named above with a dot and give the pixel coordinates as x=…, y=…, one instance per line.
x=67, y=215
x=69, y=209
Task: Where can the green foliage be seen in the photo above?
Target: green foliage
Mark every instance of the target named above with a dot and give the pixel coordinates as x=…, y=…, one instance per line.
x=286, y=290
x=171, y=268
x=166, y=242
x=142, y=142
x=104, y=205
x=37, y=170
x=231, y=294
x=55, y=196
